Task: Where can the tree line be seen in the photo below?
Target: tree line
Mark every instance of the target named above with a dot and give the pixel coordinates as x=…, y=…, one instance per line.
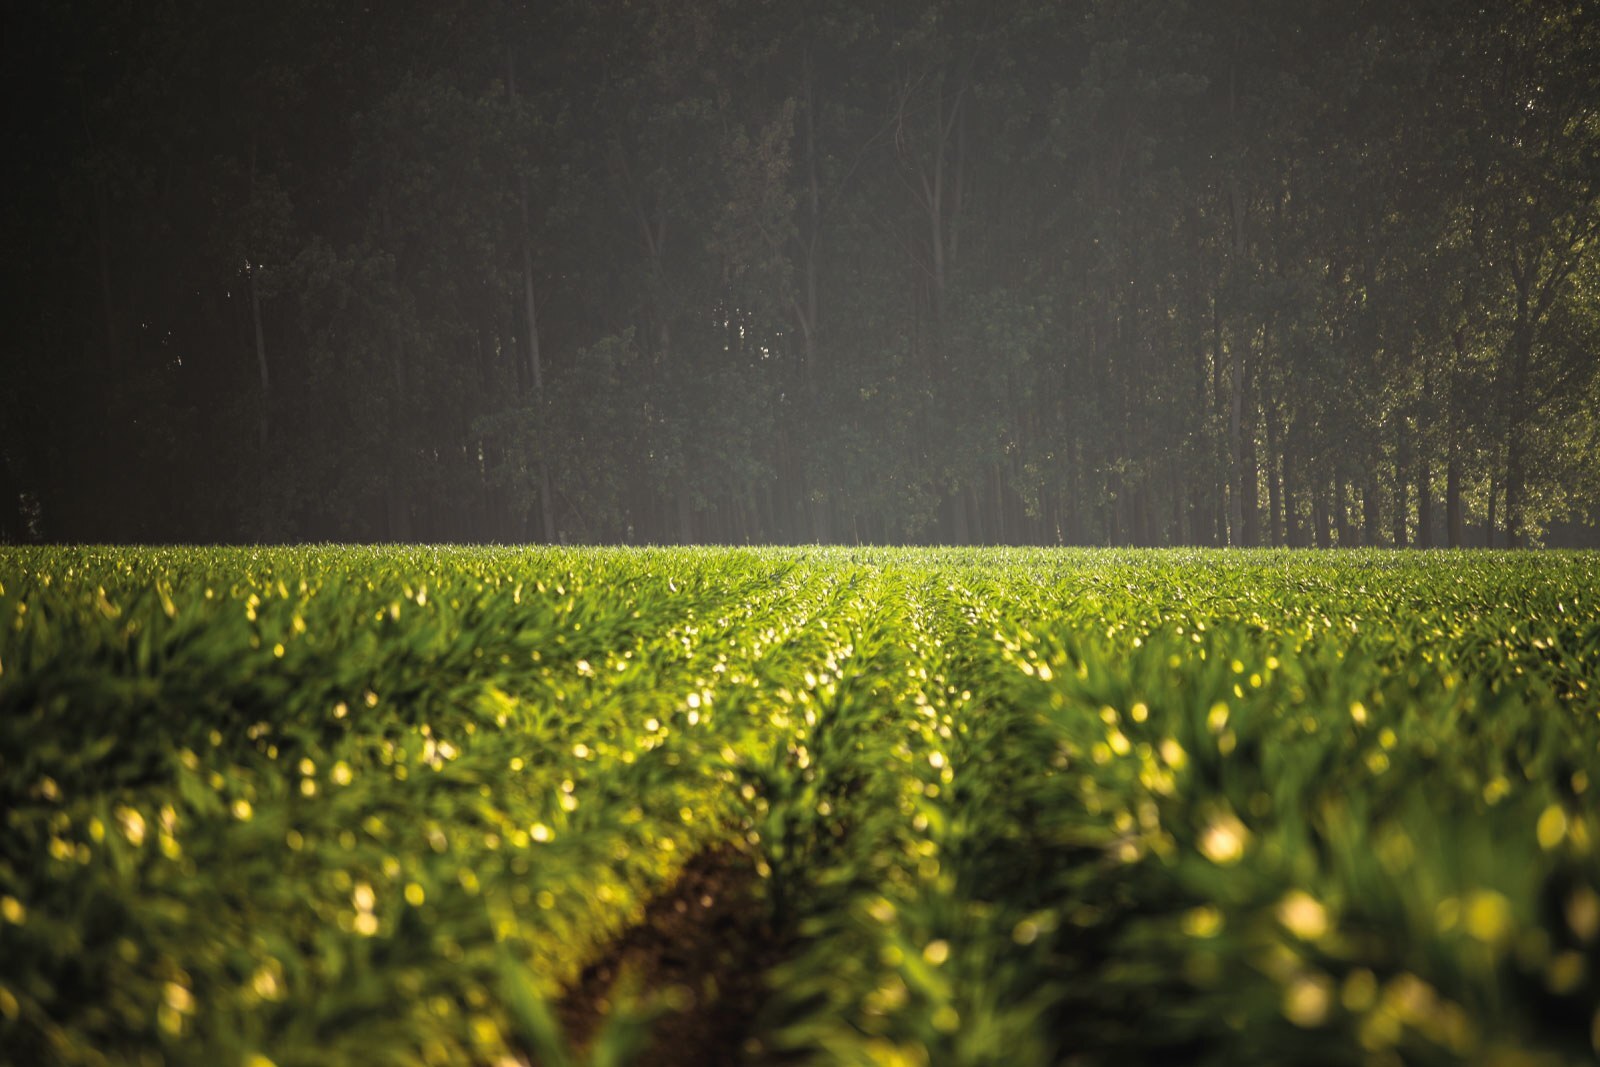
x=1138, y=272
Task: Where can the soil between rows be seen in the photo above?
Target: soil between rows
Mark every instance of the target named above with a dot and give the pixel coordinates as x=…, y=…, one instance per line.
x=708, y=941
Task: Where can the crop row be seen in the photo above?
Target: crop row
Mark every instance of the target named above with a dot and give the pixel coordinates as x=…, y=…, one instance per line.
x=362, y=805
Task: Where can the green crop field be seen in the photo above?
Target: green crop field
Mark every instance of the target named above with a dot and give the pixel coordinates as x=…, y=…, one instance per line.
x=413, y=806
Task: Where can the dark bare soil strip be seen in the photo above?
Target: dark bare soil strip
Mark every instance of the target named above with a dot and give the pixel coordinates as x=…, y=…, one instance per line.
x=708, y=940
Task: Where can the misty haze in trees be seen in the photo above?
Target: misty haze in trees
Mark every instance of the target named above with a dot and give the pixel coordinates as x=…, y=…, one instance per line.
x=1099, y=272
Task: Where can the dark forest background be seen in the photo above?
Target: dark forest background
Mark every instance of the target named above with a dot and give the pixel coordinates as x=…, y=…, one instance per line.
x=1125, y=272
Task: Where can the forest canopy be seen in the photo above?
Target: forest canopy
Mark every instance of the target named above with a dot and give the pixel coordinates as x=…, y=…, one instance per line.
x=975, y=271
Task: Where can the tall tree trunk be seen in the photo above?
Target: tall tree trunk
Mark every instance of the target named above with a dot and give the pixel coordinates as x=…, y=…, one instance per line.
x=1250, y=476
x=1275, y=474
x=1402, y=501
x=397, y=512
x=1341, y=508
x=1319, y=512
x=547, y=513
x=102, y=211
x=1369, y=507
x=1425, y=439
x=1452, y=497
x=806, y=307
x=1236, y=495
x=938, y=187
x=1454, y=526
x=530, y=310
x=1236, y=448
x=251, y=267
x=397, y=493
x=1515, y=487
x=262, y=417
x=1489, y=521
x=685, y=516
x=997, y=532
x=1292, y=533
x=13, y=524
x=108, y=304
x=1424, y=502
x=1521, y=344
